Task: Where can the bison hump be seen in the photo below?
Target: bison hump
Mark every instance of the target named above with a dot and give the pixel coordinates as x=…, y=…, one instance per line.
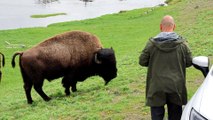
x=74, y=38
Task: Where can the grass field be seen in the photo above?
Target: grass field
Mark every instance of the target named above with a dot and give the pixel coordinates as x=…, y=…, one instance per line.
x=127, y=33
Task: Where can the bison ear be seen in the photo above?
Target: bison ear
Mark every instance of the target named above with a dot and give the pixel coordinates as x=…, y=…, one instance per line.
x=96, y=59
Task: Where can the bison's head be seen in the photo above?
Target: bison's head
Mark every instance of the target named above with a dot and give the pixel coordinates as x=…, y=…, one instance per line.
x=106, y=62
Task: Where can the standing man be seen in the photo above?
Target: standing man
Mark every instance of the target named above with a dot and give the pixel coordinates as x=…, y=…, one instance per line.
x=167, y=55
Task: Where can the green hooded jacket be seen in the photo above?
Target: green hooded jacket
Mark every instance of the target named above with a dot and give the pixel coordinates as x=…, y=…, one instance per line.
x=166, y=57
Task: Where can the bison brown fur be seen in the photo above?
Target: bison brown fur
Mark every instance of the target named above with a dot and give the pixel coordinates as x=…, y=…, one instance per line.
x=74, y=55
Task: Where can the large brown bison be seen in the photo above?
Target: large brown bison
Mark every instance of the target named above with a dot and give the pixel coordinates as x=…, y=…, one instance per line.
x=74, y=55
x=2, y=63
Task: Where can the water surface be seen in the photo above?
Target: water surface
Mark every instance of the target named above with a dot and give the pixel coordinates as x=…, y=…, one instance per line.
x=16, y=13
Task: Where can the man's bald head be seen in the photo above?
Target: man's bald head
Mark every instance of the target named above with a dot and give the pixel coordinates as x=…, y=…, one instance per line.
x=167, y=24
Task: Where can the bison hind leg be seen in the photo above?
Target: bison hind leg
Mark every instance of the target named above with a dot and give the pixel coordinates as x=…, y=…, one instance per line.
x=27, y=88
x=39, y=90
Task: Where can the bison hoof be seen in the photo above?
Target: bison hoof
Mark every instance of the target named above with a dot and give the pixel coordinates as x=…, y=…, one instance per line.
x=74, y=90
x=47, y=99
x=67, y=92
x=30, y=102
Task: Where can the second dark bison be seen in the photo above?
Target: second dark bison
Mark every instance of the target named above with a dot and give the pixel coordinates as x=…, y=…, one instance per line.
x=74, y=55
x=2, y=63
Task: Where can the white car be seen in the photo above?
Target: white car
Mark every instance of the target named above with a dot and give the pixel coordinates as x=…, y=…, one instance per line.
x=200, y=107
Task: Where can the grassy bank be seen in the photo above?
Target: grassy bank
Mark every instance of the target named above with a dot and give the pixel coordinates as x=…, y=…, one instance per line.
x=127, y=33
x=47, y=15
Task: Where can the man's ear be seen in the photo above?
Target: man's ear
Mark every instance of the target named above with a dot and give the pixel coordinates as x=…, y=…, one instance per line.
x=174, y=27
x=161, y=27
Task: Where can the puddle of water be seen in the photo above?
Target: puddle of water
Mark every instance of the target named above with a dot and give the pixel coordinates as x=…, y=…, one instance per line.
x=16, y=14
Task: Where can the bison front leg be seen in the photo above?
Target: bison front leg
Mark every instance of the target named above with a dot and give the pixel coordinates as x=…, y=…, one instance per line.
x=67, y=82
x=39, y=90
x=66, y=85
x=73, y=85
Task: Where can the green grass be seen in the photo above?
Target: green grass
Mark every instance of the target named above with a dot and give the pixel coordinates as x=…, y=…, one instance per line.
x=127, y=33
x=47, y=15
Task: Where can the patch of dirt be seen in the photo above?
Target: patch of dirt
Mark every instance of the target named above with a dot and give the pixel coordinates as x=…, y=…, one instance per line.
x=132, y=116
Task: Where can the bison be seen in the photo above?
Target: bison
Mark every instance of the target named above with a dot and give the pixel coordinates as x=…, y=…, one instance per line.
x=2, y=63
x=74, y=55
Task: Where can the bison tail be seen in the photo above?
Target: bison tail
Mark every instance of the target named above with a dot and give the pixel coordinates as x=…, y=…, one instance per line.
x=3, y=59
x=13, y=59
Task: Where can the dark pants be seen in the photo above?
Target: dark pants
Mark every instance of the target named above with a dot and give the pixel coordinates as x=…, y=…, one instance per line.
x=174, y=112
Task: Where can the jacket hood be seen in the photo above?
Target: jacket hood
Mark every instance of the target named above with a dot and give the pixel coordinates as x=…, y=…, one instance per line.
x=167, y=41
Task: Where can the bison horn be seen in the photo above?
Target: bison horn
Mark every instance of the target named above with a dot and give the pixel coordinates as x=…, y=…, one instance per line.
x=96, y=59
